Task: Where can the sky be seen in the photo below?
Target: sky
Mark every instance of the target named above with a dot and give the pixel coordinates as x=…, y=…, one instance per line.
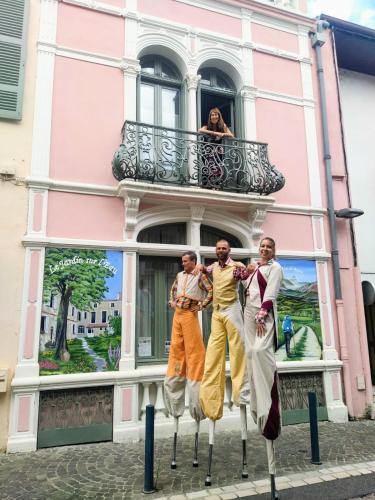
x=301, y=270
x=114, y=284
x=356, y=11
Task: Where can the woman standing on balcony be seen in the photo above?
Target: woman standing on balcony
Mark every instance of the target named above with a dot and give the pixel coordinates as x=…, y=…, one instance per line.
x=212, y=172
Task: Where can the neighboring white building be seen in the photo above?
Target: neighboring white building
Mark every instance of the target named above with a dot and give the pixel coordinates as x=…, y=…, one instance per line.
x=355, y=49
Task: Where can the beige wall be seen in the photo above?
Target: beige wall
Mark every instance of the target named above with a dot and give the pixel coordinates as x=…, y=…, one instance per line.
x=15, y=152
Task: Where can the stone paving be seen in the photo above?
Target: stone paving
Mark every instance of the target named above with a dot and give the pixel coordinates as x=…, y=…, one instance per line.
x=115, y=471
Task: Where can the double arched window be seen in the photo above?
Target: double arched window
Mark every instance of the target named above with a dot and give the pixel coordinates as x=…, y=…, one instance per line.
x=162, y=95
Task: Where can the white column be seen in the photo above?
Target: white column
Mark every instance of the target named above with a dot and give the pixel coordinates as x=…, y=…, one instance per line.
x=44, y=89
x=248, y=91
x=194, y=226
x=128, y=347
x=248, y=95
x=125, y=413
x=192, y=85
x=131, y=69
x=130, y=62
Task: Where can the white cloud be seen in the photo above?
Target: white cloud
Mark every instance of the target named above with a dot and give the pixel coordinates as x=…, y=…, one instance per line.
x=367, y=17
x=336, y=8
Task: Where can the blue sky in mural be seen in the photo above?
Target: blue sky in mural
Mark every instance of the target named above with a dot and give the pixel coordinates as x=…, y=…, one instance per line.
x=356, y=11
x=114, y=284
x=301, y=270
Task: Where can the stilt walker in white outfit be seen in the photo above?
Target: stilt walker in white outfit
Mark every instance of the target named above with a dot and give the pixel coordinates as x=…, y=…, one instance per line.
x=262, y=286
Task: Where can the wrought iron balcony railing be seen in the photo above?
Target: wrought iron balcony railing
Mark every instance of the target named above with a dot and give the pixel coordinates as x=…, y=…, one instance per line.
x=161, y=155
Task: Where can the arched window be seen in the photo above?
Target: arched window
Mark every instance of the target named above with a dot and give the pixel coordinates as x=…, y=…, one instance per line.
x=210, y=235
x=167, y=234
x=215, y=79
x=160, y=92
x=217, y=90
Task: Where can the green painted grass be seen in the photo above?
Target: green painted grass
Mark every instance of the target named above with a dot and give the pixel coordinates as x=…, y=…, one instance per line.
x=80, y=361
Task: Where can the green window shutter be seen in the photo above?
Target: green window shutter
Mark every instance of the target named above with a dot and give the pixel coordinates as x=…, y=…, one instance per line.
x=12, y=57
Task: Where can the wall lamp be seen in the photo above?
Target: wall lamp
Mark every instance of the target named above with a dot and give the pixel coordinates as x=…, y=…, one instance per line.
x=348, y=213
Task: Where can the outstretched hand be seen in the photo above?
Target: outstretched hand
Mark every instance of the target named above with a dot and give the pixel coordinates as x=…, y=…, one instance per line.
x=251, y=268
x=197, y=270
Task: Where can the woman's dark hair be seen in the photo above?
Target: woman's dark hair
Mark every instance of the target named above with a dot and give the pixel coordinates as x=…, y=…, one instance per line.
x=220, y=125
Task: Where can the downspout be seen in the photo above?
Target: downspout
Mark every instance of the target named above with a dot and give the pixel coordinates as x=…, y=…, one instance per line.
x=318, y=39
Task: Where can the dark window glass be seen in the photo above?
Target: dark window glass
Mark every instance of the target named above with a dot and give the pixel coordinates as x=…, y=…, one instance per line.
x=216, y=79
x=104, y=316
x=93, y=317
x=154, y=316
x=169, y=234
x=210, y=235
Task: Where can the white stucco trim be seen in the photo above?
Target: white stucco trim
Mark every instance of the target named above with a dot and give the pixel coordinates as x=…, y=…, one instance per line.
x=71, y=187
x=105, y=190
x=297, y=209
x=30, y=365
x=288, y=99
x=158, y=249
x=325, y=307
x=40, y=155
x=43, y=194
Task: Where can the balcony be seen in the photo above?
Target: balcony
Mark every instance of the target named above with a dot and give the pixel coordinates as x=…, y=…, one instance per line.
x=161, y=155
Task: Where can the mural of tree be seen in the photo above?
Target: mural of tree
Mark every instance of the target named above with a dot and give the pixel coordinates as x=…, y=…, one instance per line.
x=79, y=277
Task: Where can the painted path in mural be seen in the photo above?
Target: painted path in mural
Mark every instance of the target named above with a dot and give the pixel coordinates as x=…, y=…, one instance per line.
x=312, y=350
x=99, y=362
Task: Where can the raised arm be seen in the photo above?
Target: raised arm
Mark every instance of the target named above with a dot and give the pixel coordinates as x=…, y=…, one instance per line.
x=274, y=280
x=227, y=132
x=172, y=294
x=207, y=285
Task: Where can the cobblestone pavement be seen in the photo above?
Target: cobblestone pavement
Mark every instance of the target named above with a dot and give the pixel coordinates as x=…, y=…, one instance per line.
x=115, y=471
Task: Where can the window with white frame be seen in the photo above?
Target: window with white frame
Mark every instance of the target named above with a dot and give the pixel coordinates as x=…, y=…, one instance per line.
x=155, y=277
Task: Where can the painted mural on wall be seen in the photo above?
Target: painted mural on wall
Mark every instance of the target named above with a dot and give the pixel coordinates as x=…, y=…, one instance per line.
x=299, y=328
x=80, y=327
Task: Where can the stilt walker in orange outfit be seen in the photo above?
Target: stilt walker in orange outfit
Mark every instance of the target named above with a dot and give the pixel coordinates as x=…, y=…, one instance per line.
x=227, y=323
x=189, y=294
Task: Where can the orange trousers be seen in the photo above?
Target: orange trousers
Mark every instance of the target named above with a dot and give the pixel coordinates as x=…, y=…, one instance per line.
x=185, y=365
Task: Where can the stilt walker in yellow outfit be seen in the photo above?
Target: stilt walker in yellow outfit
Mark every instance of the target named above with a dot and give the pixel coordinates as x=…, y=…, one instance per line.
x=189, y=294
x=227, y=322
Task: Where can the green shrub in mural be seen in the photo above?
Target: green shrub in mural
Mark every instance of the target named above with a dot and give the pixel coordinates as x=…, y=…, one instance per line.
x=81, y=312
x=299, y=329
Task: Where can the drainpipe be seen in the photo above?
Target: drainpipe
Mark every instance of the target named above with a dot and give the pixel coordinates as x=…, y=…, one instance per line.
x=318, y=39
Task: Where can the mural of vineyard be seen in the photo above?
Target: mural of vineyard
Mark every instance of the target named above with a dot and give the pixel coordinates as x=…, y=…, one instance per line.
x=80, y=327
x=298, y=305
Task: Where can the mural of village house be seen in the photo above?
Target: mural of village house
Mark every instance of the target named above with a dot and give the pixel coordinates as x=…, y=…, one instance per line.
x=299, y=329
x=81, y=311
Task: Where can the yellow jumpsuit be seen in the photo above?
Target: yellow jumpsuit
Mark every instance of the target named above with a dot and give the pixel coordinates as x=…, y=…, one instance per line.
x=227, y=322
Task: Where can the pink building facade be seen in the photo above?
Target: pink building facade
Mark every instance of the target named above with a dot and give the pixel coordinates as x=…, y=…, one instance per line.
x=164, y=64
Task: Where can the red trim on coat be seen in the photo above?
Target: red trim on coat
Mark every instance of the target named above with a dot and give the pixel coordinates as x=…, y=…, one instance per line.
x=262, y=284
x=267, y=305
x=272, y=428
